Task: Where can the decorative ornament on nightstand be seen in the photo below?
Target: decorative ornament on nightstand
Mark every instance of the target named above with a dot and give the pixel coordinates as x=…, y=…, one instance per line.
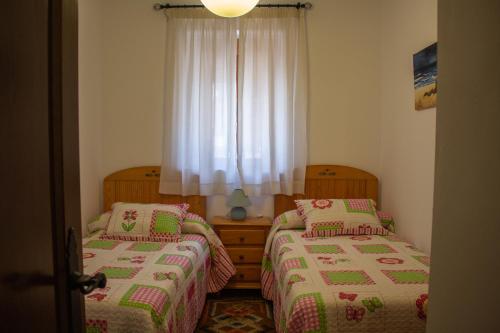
x=238, y=201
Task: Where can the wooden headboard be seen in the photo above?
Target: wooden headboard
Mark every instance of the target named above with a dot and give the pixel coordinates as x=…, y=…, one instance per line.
x=141, y=185
x=331, y=182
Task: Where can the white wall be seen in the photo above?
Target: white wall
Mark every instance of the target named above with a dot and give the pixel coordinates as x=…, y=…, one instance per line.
x=407, y=145
x=91, y=111
x=133, y=57
x=344, y=88
x=352, y=45
x=465, y=265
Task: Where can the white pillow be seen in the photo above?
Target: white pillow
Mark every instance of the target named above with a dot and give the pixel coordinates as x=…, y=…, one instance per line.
x=99, y=223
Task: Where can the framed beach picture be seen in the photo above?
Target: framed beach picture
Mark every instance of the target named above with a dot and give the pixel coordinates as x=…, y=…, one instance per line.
x=425, y=77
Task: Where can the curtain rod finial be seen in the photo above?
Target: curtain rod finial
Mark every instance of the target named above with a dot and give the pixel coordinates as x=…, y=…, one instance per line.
x=158, y=6
x=308, y=5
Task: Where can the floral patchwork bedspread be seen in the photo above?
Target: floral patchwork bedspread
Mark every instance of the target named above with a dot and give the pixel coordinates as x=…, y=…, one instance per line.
x=152, y=287
x=345, y=283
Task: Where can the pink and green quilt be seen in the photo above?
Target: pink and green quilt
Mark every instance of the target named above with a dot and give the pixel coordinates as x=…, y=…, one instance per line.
x=363, y=283
x=153, y=286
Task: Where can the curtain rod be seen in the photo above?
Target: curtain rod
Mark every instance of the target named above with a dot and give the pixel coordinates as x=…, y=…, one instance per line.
x=298, y=5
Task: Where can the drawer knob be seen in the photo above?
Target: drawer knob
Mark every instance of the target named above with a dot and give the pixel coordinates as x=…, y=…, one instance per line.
x=242, y=276
x=242, y=257
x=242, y=239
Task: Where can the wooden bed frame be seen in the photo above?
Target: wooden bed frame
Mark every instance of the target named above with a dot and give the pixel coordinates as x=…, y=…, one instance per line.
x=331, y=182
x=141, y=184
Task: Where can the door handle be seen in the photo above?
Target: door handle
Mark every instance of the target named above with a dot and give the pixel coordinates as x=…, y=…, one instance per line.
x=87, y=283
x=77, y=280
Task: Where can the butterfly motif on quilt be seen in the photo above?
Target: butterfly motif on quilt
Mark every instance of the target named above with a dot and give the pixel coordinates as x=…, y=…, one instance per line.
x=354, y=313
x=346, y=296
x=372, y=303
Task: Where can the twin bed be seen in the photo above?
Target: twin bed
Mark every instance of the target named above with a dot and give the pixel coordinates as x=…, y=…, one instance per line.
x=152, y=286
x=349, y=283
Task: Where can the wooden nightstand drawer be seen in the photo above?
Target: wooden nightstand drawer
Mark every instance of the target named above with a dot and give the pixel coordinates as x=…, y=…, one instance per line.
x=243, y=237
x=244, y=241
x=247, y=273
x=246, y=255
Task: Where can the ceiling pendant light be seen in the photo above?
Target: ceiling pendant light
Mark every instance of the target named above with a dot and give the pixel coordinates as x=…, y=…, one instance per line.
x=230, y=8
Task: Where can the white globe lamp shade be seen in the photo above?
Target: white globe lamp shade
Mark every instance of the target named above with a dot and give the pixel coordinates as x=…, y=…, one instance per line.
x=230, y=8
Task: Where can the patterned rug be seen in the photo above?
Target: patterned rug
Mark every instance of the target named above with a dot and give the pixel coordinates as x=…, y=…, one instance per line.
x=236, y=316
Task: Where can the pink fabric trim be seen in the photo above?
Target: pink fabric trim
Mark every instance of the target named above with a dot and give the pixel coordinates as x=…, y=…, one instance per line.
x=221, y=270
x=346, y=231
x=163, y=239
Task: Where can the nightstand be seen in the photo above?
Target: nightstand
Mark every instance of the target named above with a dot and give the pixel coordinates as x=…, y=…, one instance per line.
x=244, y=241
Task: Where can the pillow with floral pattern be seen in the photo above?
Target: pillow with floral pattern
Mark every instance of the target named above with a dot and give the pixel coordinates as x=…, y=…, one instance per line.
x=146, y=222
x=332, y=217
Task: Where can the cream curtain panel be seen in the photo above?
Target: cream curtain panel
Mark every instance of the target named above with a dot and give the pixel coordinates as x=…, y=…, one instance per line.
x=199, y=148
x=216, y=138
x=273, y=101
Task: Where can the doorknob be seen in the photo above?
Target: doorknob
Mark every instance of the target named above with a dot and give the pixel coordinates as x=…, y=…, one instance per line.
x=78, y=280
x=87, y=283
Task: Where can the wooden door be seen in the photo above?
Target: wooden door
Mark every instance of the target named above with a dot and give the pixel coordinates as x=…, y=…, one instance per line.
x=40, y=198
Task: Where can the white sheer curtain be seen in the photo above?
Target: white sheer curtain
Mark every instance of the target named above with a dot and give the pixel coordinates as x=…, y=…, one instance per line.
x=214, y=140
x=200, y=122
x=272, y=107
